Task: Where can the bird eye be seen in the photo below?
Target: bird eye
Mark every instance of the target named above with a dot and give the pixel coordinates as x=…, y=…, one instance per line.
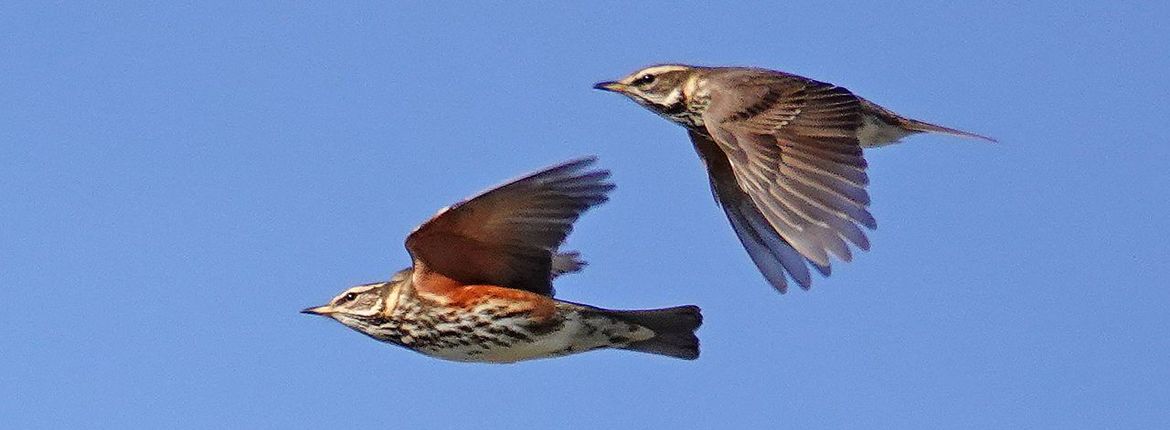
x=644, y=79
x=349, y=297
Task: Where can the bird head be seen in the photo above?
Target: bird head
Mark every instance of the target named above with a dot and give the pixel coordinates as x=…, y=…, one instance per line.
x=358, y=304
x=662, y=88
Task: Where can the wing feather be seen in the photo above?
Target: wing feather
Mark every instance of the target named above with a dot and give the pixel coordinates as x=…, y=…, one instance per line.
x=791, y=147
x=508, y=236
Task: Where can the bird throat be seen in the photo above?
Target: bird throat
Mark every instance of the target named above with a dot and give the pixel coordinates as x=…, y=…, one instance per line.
x=680, y=112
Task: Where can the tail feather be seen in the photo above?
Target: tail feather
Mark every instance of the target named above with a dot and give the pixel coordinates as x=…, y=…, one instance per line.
x=674, y=330
x=923, y=126
x=889, y=117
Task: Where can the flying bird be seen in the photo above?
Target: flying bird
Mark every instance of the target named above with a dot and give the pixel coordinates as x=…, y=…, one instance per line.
x=784, y=155
x=480, y=286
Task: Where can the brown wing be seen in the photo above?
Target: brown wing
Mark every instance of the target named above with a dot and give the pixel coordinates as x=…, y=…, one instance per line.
x=792, y=149
x=507, y=236
x=771, y=254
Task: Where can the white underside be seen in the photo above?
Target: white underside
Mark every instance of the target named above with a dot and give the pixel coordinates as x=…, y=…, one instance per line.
x=572, y=337
x=874, y=133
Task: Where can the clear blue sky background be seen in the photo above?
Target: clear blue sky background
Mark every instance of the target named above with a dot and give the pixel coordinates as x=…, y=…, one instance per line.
x=177, y=182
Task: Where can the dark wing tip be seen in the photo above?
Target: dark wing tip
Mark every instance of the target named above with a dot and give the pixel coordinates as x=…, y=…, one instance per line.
x=570, y=166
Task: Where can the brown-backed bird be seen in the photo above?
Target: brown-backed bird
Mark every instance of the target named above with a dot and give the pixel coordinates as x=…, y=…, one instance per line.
x=784, y=154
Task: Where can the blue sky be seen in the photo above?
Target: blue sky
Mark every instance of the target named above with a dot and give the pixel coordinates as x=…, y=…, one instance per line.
x=178, y=181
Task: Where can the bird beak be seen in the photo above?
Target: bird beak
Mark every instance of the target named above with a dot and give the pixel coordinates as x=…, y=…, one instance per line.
x=319, y=310
x=612, y=86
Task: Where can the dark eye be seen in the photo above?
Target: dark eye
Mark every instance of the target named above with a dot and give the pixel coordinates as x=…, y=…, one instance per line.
x=644, y=79
x=349, y=297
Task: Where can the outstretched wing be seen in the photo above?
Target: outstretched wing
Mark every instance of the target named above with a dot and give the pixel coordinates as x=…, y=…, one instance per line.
x=791, y=146
x=507, y=236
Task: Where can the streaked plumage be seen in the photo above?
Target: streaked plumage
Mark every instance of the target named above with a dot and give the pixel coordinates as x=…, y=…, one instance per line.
x=480, y=287
x=784, y=154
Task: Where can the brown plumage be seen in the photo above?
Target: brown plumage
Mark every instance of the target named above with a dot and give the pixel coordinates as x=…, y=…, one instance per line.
x=784, y=154
x=480, y=287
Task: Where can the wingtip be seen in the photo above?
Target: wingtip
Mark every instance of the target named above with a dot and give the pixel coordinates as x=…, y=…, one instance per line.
x=782, y=286
x=826, y=270
x=805, y=284
x=579, y=162
x=577, y=165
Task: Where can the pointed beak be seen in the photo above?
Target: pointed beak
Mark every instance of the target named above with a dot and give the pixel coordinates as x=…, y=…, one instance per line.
x=319, y=310
x=612, y=86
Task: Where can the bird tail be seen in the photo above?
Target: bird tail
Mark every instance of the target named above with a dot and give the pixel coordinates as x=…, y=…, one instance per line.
x=914, y=125
x=674, y=330
x=926, y=127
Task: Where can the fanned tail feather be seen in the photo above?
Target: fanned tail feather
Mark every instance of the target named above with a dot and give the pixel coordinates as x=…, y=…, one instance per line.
x=674, y=330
